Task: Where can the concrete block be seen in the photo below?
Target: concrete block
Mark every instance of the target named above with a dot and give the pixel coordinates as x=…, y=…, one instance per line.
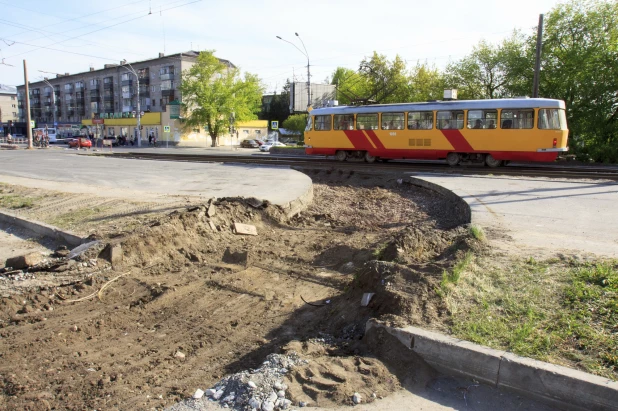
x=451, y=355
x=212, y=210
x=566, y=388
x=246, y=229
x=24, y=261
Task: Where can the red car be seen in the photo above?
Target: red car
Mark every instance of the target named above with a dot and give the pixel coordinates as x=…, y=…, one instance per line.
x=80, y=142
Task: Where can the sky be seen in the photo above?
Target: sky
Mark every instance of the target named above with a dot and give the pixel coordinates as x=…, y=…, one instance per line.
x=69, y=36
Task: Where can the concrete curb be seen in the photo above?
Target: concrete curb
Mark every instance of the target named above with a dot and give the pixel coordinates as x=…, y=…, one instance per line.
x=561, y=387
x=301, y=203
x=66, y=237
x=461, y=206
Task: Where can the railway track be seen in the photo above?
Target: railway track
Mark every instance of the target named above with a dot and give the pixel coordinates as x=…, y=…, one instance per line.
x=541, y=170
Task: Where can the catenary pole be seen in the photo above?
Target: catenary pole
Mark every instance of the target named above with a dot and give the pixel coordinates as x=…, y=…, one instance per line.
x=537, y=65
x=28, y=117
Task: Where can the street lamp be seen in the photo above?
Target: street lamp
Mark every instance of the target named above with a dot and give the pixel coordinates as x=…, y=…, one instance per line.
x=53, y=91
x=139, y=113
x=308, y=72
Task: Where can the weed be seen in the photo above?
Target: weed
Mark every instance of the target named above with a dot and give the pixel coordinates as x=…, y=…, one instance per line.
x=477, y=232
x=454, y=275
x=379, y=251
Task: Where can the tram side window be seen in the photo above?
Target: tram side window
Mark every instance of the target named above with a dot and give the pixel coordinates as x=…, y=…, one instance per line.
x=450, y=120
x=420, y=120
x=322, y=123
x=549, y=119
x=482, y=119
x=392, y=121
x=344, y=122
x=367, y=121
x=517, y=119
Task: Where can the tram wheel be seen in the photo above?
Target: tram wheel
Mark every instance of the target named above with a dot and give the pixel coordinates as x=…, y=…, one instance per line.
x=453, y=159
x=492, y=162
x=341, y=155
x=369, y=158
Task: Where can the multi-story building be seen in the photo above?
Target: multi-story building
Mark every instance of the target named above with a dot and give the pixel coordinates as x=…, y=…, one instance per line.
x=8, y=103
x=108, y=93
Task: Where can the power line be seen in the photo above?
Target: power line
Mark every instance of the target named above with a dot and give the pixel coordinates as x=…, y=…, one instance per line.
x=94, y=31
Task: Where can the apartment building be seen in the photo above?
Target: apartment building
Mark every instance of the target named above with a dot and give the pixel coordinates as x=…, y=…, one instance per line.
x=8, y=103
x=108, y=93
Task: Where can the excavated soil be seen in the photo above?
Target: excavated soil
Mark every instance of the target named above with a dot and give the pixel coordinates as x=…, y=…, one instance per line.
x=191, y=301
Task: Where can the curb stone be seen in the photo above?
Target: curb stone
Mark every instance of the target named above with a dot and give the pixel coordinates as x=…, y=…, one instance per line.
x=43, y=229
x=559, y=386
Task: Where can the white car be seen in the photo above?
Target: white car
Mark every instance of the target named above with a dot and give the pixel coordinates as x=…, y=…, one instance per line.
x=267, y=146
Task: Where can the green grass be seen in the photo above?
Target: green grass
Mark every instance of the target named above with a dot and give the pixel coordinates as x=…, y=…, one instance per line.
x=15, y=202
x=477, y=232
x=560, y=312
x=451, y=278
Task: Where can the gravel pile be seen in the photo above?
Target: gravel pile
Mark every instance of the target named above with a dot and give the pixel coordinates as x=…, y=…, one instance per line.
x=261, y=389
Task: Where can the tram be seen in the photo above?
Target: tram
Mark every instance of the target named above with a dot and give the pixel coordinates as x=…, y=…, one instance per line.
x=492, y=132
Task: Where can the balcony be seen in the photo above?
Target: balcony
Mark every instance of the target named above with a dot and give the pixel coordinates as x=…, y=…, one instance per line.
x=144, y=93
x=79, y=100
x=70, y=112
x=81, y=110
x=169, y=93
x=95, y=93
x=108, y=98
x=127, y=95
x=108, y=86
x=168, y=76
x=48, y=103
x=144, y=80
x=47, y=94
x=127, y=82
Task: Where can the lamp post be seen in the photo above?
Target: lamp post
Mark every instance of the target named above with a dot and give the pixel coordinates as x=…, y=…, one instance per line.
x=53, y=91
x=308, y=71
x=139, y=113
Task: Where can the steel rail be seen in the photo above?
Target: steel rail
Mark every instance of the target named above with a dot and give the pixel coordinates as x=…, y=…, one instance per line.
x=586, y=172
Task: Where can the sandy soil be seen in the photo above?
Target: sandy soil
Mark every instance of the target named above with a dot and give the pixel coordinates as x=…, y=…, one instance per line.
x=102, y=336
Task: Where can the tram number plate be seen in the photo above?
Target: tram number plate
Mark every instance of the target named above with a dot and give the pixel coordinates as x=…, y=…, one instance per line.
x=392, y=133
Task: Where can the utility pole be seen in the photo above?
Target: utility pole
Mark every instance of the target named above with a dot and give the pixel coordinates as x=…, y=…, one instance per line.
x=537, y=66
x=308, y=65
x=28, y=119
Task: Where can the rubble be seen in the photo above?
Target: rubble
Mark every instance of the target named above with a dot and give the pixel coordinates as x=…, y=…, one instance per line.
x=24, y=261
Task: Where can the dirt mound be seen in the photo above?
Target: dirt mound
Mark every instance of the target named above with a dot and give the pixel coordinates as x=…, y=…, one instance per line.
x=330, y=377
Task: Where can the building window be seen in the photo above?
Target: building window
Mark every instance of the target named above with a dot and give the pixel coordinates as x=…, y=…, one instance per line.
x=167, y=85
x=125, y=76
x=108, y=80
x=450, y=120
x=94, y=107
x=344, y=122
x=517, y=118
x=12, y=97
x=79, y=85
x=94, y=83
x=392, y=121
x=367, y=121
x=482, y=119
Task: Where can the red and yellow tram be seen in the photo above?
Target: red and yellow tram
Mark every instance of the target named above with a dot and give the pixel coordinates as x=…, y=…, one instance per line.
x=489, y=131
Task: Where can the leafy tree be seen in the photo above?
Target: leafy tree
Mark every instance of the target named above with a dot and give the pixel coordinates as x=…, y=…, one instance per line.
x=214, y=95
x=489, y=70
x=351, y=85
x=426, y=83
x=387, y=80
x=297, y=123
x=279, y=108
x=579, y=66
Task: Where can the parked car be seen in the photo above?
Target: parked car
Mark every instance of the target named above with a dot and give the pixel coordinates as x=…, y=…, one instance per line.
x=266, y=147
x=249, y=144
x=80, y=142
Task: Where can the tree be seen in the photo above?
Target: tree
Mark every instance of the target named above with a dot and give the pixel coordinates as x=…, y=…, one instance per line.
x=279, y=107
x=387, y=80
x=426, y=83
x=579, y=66
x=297, y=123
x=351, y=85
x=214, y=96
x=489, y=70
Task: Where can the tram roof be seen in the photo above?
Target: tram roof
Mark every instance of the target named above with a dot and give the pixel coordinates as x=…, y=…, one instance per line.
x=512, y=103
